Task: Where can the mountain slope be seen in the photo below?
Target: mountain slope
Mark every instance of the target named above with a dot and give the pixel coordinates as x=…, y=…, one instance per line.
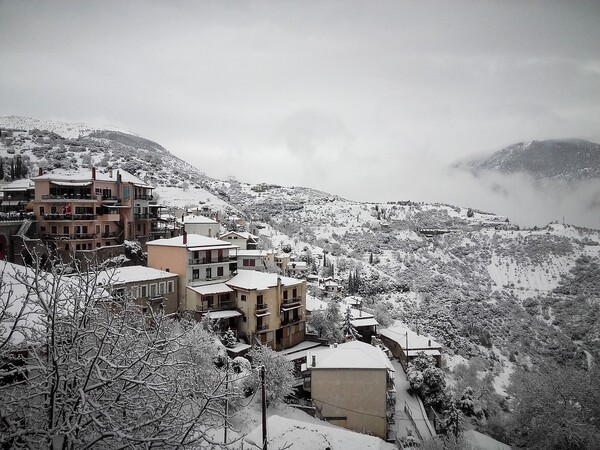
x=568, y=159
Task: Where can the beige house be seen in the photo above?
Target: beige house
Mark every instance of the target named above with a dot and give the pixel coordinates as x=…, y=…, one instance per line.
x=273, y=308
x=259, y=260
x=89, y=210
x=352, y=385
x=198, y=260
x=144, y=285
x=243, y=239
x=201, y=225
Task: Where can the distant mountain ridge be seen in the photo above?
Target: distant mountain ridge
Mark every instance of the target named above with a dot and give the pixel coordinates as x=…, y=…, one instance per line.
x=566, y=159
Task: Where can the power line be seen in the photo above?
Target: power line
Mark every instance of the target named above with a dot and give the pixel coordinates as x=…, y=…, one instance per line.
x=351, y=410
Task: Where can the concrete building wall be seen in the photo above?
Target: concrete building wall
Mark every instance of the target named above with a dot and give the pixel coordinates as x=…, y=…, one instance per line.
x=352, y=398
x=171, y=259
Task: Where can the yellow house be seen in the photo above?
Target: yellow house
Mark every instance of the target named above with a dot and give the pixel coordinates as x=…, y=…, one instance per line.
x=352, y=385
x=273, y=308
x=198, y=260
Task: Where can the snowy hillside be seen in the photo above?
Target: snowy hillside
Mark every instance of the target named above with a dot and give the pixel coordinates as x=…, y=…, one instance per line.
x=568, y=159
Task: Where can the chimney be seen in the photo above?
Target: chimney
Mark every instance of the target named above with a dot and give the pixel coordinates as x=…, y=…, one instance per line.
x=110, y=172
x=40, y=171
x=93, y=173
x=429, y=343
x=184, y=237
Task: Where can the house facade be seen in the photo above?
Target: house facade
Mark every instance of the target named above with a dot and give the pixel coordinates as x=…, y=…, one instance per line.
x=273, y=308
x=198, y=260
x=352, y=386
x=201, y=225
x=405, y=344
x=90, y=210
x=146, y=286
x=243, y=239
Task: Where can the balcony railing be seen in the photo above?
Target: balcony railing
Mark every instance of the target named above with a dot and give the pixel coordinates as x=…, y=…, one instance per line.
x=69, y=197
x=52, y=216
x=109, y=235
x=142, y=215
x=144, y=197
x=291, y=320
x=207, y=260
x=63, y=237
x=261, y=328
x=261, y=307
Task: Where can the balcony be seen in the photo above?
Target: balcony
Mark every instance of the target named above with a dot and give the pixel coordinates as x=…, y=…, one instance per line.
x=141, y=215
x=144, y=197
x=207, y=260
x=66, y=237
x=69, y=198
x=262, y=328
x=110, y=217
x=261, y=308
x=111, y=234
x=62, y=217
x=291, y=320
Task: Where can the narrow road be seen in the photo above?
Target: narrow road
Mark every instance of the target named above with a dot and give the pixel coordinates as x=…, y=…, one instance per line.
x=403, y=398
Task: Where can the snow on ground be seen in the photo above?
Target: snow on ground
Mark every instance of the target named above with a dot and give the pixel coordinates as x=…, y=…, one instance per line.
x=65, y=129
x=502, y=380
x=287, y=425
x=451, y=361
x=177, y=197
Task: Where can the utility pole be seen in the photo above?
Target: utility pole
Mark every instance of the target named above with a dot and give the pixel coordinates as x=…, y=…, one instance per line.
x=406, y=348
x=226, y=402
x=264, y=407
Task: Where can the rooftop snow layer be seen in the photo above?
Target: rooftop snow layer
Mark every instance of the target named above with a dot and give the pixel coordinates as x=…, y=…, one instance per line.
x=193, y=240
x=260, y=281
x=400, y=334
x=349, y=355
x=130, y=274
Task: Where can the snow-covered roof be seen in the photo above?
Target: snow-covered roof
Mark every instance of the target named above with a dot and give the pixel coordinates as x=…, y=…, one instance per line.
x=398, y=333
x=132, y=274
x=315, y=434
x=199, y=219
x=223, y=314
x=297, y=265
x=193, y=240
x=242, y=234
x=349, y=355
x=365, y=322
x=481, y=441
x=352, y=300
x=211, y=289
x=18, y=185
x=260, y=281
x=314, y=304
x=83, y=176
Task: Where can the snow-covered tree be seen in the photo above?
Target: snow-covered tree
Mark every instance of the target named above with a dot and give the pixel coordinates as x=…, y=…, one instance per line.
x=327, y=323
x=279, y=374
x=81, y=369
x=347, y=329
x=229, y=340
x=427, y=381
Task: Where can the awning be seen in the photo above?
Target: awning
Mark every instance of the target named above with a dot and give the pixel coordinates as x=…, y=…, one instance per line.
x=364, y=322
x=262, y=314
x=210, y=289
x=10, y=202
x=223, y=314
x=72, y=183
x=291, y=307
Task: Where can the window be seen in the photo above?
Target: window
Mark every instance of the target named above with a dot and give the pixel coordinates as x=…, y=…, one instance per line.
x=153, y=290
x=98, y=191
x=162, y=288
x=42, y=211
x=209, y=301
x=66, y=230
x=66, y=247
x=53, y=210
x=259, y=299
x=208, y=273
x=195, y=274
x=294, y=293
x=53, y=230
x=126, y=192
x=220, y=271
x=248, y=262
x=285, y=295
x=243, y=297
x=144, y=291
x=170, y=287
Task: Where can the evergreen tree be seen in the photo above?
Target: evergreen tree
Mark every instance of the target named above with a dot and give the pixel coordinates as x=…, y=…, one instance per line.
x=12, y=169
x=228, y=339
x=347, y=328
x=1, y=168
x=371, y=258
x=19, y=168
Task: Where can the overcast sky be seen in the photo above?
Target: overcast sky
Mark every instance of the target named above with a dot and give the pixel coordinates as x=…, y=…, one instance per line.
x=368, y=100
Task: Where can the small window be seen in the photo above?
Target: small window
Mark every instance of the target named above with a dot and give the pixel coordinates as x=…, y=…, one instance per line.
x=135, y=292
x=153, y=290
x=42, y=211
x=162, y=288
x=220, y=271
x=259, y=299
x=209, y=301
x=170, y=287
x=243, y=297
x=195, y=274
x=144, y=291
x=285, y=294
